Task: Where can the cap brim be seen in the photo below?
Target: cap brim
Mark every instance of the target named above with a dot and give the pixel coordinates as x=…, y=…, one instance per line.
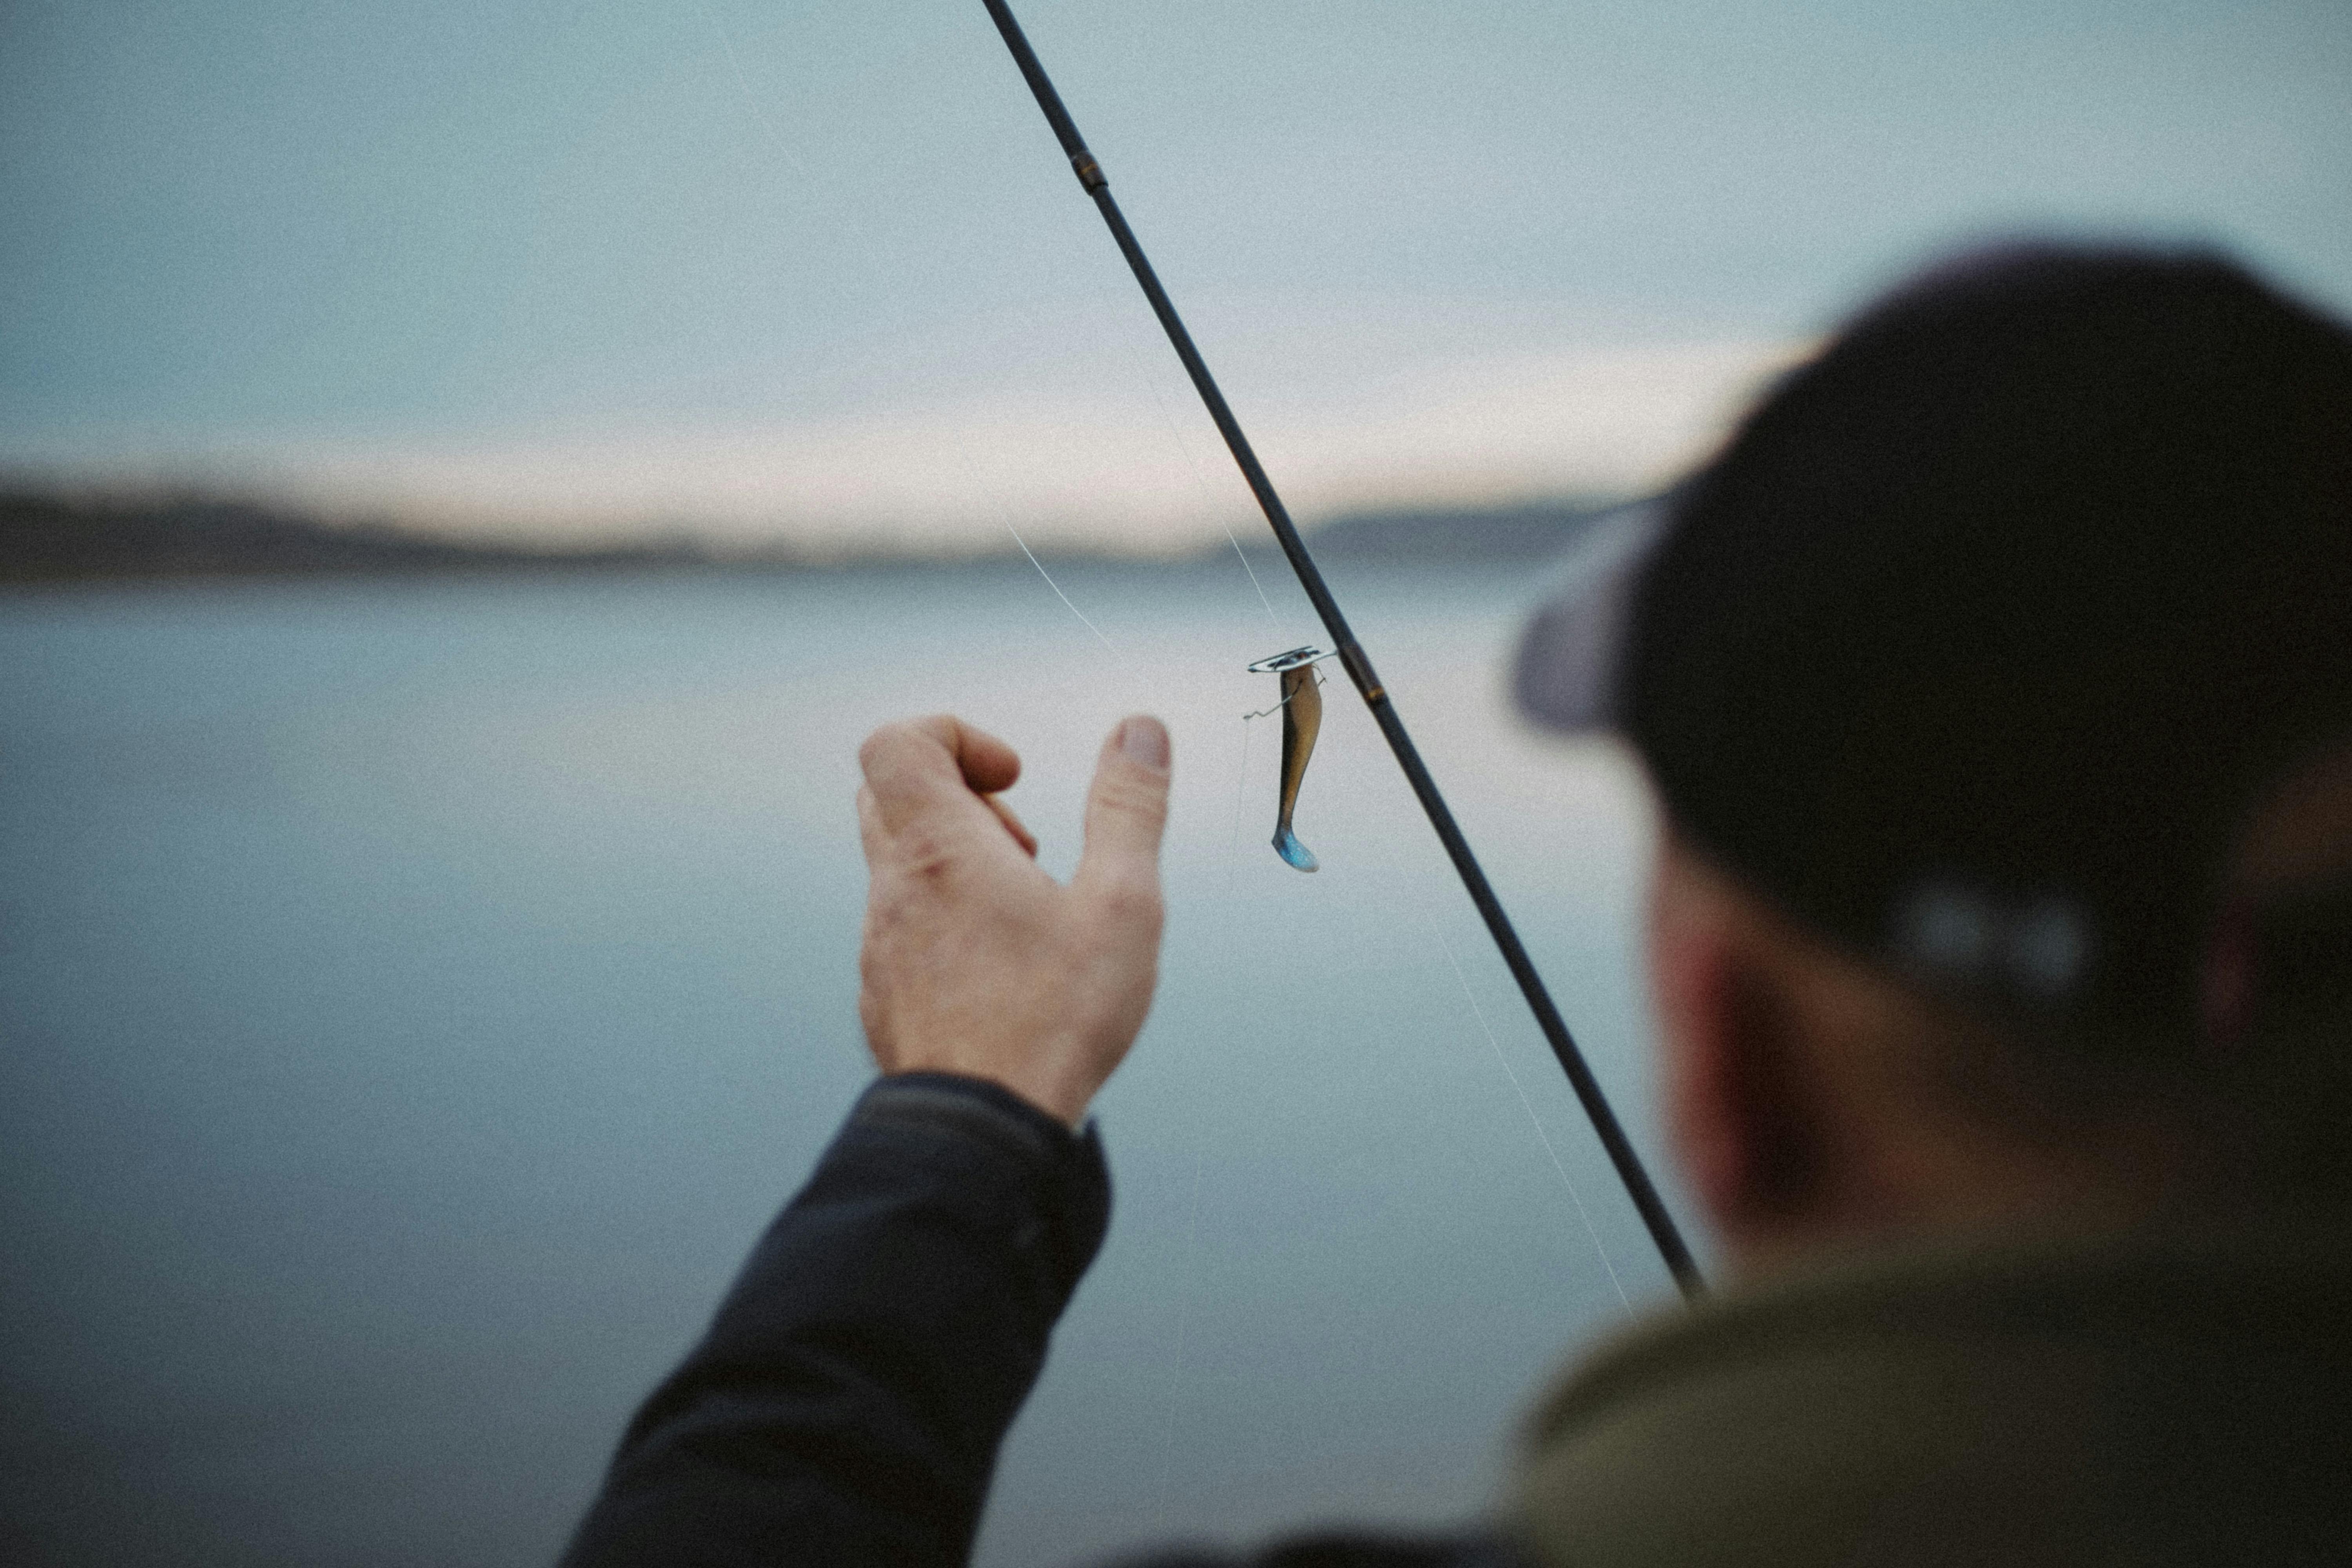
x=1569, y=655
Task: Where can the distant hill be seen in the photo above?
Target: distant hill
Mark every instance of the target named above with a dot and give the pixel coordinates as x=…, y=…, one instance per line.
x=49, y=539
x=1529, y=532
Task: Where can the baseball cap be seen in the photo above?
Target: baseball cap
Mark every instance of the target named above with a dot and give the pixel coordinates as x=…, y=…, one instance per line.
x=1978, y=643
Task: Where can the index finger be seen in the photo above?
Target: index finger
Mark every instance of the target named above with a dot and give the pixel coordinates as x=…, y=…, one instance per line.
x=933, y=762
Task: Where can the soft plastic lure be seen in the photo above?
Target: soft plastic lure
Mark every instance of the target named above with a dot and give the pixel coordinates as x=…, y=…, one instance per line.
x=1302, y=719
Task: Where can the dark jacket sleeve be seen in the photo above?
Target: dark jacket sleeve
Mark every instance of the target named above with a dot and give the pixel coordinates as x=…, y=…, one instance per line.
x=846, y=1404
x=846, y=1407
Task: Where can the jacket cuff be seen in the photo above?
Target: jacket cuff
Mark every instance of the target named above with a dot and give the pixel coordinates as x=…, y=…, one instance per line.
x=1058, y=1180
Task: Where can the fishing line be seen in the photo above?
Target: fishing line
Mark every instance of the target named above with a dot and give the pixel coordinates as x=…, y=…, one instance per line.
x=1533, y=1120
x=1176, y=1361
x=1244, y=558
x=1240, y=794
x=783, y=145
x=750, y=100
x=972, y=469
x=1200, y=481
x=981, y=482
x=1231, y=538
x=1065, y=598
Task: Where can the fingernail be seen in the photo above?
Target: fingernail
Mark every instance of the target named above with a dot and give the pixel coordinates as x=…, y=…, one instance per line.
x=1146, y=741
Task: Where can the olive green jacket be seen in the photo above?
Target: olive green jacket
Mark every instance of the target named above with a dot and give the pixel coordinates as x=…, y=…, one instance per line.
x=2182, y=1398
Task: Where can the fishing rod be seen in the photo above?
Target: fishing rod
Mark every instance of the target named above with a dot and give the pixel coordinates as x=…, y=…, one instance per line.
x=1622, y=1154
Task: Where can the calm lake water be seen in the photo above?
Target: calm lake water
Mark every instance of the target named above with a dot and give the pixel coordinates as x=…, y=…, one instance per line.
x=416, y=996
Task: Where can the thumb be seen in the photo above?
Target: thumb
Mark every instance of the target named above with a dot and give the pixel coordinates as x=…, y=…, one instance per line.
x=1127, y=809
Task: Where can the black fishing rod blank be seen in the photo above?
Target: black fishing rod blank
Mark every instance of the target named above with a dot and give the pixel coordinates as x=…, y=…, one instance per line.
x=1622, y=1154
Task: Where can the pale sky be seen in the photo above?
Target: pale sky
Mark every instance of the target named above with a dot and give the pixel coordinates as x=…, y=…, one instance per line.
x=754, y=269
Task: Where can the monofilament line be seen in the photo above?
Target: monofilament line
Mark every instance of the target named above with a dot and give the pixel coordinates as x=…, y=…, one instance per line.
x=1200, y=480
x=1533, y=1120
x=1058, y=593
x=1201, y=483
x=1231, y=538
x=1240, y=794
x=750, y=100
x=768, y=127
x=1176, y=1363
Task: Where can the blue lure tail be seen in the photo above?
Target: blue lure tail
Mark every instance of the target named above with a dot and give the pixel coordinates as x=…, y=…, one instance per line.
x=1286, y=845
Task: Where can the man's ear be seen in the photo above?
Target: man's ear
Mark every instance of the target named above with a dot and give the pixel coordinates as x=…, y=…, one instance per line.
x=1739, y=1100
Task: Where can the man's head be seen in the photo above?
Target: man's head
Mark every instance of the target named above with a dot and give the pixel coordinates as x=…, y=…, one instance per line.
x=1994, y=680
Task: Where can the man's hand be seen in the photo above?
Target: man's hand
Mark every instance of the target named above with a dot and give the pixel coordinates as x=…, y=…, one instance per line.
x=976, y=961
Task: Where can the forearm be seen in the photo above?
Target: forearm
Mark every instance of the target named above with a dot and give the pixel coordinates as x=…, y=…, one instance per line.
x=846, y=1405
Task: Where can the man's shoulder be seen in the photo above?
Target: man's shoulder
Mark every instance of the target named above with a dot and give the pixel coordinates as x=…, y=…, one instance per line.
x=2162, y=1397
x=1345, y=1550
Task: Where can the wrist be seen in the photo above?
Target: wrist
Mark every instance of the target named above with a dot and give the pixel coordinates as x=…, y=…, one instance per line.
x=1047, y=1127
x=1058, y=1078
